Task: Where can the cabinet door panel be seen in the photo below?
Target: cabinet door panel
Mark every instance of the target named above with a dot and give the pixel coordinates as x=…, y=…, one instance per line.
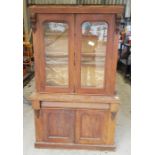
x=91, y=126
x=58, y=125
x=54, y=54
x=94, y=52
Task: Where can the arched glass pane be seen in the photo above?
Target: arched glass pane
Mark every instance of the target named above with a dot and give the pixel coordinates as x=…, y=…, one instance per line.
x=94, y=43
x=56, y=52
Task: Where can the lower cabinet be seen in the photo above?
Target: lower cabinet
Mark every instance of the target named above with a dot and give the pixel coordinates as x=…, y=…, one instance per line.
x=80, y=126
x=75, y=121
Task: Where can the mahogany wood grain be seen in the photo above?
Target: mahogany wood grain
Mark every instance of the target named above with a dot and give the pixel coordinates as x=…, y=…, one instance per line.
x=75, y=124
x=102, y=147
x=117, y=9
x=74, y=117
x=36, y=104
x=113, y=59
x=109, y=52
x=74, y=105
x=38, y=125
x=86, y=98
x=40, y=73
x=112, y=123
x=58, y=125
x=74, y=45
x=91, y=126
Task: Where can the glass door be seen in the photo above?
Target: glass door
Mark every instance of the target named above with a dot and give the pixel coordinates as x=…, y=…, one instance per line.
x=93, y=53
x=56, y=52
x=74, y=53
x=92, y=49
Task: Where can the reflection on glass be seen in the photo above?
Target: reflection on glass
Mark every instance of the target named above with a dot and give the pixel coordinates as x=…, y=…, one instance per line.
x=94, y=41
x=56, y=53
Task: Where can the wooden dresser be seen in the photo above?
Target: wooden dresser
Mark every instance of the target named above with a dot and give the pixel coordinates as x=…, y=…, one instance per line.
x=75, y=51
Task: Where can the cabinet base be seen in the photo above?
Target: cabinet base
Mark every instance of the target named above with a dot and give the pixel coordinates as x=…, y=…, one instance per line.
x=78, y=124
x=75, y=146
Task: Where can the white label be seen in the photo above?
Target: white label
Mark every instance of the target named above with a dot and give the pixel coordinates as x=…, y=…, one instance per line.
x=91, y=43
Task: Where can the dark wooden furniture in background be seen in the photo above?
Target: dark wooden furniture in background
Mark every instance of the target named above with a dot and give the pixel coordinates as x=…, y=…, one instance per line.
x=124, y=61
x=28, y=62
x=75, y=49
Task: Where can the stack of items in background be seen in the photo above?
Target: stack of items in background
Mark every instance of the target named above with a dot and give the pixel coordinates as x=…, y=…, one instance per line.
x=28, y=69
x=124, y=59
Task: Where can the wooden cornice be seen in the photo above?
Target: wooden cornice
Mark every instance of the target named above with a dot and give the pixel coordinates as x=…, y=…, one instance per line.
x=112, y=9
x=118, y=10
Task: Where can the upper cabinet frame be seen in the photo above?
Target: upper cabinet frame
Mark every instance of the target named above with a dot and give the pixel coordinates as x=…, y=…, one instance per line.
x=74, y=16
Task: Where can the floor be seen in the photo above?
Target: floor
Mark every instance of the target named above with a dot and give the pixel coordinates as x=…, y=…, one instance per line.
x=122, y=130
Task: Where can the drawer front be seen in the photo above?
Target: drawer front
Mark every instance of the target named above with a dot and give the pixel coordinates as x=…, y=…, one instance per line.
x=58, y=125
x=91, y=126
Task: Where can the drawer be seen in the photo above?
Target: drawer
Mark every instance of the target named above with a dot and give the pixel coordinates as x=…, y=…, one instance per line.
x=75, y=105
